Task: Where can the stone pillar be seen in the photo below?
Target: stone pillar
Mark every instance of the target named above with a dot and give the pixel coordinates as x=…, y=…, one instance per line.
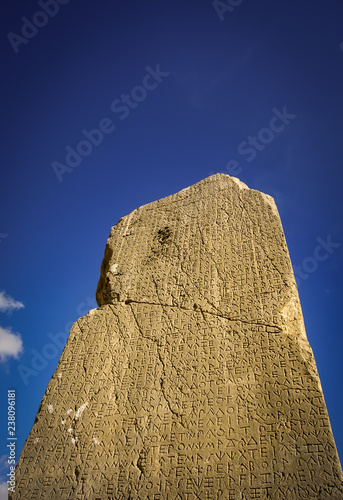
x=194, y=378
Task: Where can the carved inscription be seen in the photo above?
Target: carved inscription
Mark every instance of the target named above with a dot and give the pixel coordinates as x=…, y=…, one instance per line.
x=194, y=378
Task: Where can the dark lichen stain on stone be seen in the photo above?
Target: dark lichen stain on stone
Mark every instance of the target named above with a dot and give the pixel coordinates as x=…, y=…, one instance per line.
x=163, y=235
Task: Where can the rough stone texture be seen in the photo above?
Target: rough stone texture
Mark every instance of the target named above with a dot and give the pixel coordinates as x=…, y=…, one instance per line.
x=194, y=378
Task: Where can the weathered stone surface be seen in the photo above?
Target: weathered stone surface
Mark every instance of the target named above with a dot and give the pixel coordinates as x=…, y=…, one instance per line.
x=194, y=378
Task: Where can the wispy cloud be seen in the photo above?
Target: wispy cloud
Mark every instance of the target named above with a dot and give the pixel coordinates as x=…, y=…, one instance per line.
x=3, y=472
x=3, y=490
x=3, y=467
x=11, y=344
x=8, y=304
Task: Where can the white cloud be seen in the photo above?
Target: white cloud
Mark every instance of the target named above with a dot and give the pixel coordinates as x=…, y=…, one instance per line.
x=10, y=344
x=3, y=463
x=3, y=491
x=4, y=469
x=7, y=304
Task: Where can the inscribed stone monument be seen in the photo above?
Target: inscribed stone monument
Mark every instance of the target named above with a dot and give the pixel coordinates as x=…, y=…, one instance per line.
x=193, y=379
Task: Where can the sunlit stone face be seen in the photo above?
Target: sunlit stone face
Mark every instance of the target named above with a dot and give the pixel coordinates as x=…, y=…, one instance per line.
x=194, y=378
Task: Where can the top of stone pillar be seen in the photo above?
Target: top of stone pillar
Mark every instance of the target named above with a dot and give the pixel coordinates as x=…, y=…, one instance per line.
x=202, y=240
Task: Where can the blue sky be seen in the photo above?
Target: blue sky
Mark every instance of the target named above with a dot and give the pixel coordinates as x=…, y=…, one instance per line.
x=109, y=105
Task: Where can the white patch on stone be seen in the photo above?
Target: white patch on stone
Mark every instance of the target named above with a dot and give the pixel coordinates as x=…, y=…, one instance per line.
x=184, y=189
x=36, y=440
x=63, y=422
x=70, y=430
x=69, y=411
x=59, y=375
x=80, y=411
x=240, y=184
x=113, y=268
x=95, y=441
x=74, y=440
x=50, y=408
x=271, y=202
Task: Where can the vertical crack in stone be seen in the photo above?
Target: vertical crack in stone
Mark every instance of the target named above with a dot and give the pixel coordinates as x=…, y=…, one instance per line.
x=163, y=365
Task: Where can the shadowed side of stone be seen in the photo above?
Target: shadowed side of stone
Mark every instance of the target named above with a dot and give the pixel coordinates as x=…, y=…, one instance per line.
x=194, y=377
